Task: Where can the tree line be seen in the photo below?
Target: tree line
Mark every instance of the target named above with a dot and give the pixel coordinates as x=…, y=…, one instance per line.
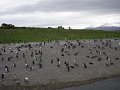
x=7, y=26
x=11, y=26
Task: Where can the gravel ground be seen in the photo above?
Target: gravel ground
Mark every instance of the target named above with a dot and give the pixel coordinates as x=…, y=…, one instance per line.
x=40, y=63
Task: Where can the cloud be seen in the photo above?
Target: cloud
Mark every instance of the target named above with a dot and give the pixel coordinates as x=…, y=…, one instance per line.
x=109, y=6
x=75, y=13
x=73, y=19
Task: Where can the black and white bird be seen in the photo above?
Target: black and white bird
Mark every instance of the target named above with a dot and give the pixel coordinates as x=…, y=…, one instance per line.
x=14, y=65
x=3, y=76
x=26, y=79
x=6, y=69
x=85, y=66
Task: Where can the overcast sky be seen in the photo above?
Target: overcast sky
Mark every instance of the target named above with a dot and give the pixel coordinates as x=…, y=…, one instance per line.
x=74, y=13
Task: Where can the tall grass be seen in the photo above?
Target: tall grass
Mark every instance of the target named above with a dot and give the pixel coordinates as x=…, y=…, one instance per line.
x=40, y=35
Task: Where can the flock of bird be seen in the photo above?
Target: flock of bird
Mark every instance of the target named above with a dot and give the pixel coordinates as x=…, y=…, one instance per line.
x=61, y=54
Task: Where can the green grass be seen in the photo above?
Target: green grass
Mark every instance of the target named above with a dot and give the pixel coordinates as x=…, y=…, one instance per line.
x=40, y=35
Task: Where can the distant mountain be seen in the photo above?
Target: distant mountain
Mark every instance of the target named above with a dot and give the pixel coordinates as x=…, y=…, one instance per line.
x=105, y=27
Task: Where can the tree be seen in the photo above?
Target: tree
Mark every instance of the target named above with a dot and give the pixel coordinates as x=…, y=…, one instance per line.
x=8, y=26
x=69, y=27
x=60, y=27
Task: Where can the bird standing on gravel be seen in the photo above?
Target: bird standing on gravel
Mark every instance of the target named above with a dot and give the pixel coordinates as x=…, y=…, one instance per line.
x=3, y=76
x=6, y=69
x=85, y=66
x=26, y=79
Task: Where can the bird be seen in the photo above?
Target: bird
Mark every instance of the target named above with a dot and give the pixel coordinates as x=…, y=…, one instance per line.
x=2, y=59
x=10, y=48
x=26, y=65
x=107, y=65
x=116, y=58
x=99, y=59
x=31, y=68
x=35, y=58
x=23, y=55
x=6, y=69
x=90, y=62
x=74, y=61
x=119, y=43
x=52, y=61
x=14, y=65
x=16, y=52
x=72, y=67
x=68, y=68
x=26, y=79
x=40, y=65
x=3, y=76
x=14, y=77
x=59, y=62
x=85, y=66
x=33, y=62
x=111, y=63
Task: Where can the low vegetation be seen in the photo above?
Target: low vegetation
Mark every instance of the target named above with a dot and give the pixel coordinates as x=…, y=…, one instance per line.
x=47, y=34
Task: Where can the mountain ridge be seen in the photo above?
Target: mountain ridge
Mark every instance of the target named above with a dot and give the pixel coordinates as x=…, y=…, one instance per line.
x=105, y=27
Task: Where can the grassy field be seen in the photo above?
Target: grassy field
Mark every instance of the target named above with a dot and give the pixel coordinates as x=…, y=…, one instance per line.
x=38, y=35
